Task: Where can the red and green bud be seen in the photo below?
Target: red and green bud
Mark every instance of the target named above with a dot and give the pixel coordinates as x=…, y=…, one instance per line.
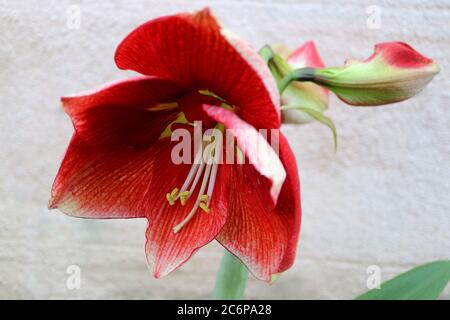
x=393, y=73
x=299, y=96
x=302, y=101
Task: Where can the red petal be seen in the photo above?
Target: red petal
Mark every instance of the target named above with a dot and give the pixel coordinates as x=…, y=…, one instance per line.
x=265, y=241
x=105, y=171
x=139, y=92
x=401, y=55
x=289, y=204
x=166, y=251
x=93, y=183
x=123, y=114
x=255, y=146
x=307, y=55
x=191, y=48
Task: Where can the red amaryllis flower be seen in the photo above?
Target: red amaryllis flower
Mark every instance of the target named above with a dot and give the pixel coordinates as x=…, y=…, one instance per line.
x=119, y=165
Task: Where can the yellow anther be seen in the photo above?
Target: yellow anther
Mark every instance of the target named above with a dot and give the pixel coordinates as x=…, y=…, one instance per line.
x=184, y=196
x=204, y=198
x=204, y=207
x=174, y=193
x=170, y=199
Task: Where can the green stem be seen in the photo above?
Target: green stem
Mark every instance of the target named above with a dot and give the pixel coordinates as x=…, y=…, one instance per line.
x=303, y=74
x=231, y=279
x=266, y=53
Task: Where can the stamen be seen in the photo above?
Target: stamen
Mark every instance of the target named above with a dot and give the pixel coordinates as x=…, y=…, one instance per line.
x=217, y=155
x=171, y=196
x=194, y=170
x=204, y=207
x=213, y=153
x=197, y=177
x=170, y=199
x=184, y=193
x=178, y=227
x=184, y=196
x=174, y=192
x=203, y=202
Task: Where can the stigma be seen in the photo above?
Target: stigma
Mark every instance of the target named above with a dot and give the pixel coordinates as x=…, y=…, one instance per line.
x=201, y=178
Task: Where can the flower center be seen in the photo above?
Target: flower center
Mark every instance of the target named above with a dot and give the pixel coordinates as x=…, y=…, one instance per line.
x=192, y=107
x=204, y=168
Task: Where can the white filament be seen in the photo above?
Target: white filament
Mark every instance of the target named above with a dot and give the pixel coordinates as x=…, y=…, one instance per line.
x=212, y=179
x=196, y=169
x=197, y=202
x=209, y=178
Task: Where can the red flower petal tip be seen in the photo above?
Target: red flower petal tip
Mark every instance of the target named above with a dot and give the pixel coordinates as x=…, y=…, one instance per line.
x=401, y=55
x=307, y=54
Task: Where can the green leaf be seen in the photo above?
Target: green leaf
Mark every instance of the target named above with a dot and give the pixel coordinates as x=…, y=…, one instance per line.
x=318, y=116
x=425, y=282
x=231, y=279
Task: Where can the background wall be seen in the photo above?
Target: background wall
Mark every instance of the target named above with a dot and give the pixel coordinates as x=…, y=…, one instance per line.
x=382, y=199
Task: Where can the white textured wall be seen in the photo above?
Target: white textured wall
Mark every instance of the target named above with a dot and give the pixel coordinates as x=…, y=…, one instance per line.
x=382, y=199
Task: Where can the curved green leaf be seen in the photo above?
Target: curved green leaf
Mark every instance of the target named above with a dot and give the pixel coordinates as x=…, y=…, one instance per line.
x=425, y=282
x=318, y=116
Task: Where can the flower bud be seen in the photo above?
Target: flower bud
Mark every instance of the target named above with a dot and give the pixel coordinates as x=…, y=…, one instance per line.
x=393, y=73
x=300, y=95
